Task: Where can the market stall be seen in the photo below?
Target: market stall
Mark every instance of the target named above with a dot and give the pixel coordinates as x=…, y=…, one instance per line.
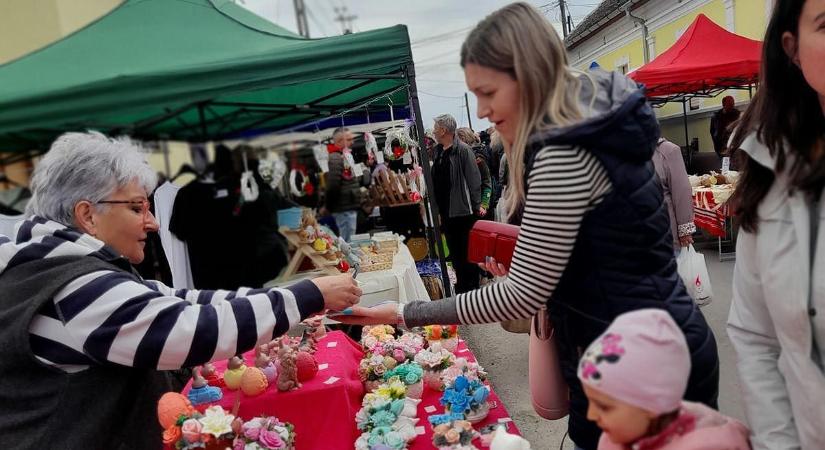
x=704, y=62
x=337, y=392
x=234, y=76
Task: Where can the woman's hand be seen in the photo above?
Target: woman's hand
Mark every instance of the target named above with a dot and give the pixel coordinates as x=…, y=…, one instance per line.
x=339, y=291
x=497, y=269
x=686, y=240
x=384, y=313
x=482, y=211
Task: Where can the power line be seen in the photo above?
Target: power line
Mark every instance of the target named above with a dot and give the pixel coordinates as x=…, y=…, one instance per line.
x=317, y=23
x=442, y=96
x=436, y=37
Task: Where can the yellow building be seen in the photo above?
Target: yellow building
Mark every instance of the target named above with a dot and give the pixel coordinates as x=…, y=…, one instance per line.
x=27, y=25
x=614, y=40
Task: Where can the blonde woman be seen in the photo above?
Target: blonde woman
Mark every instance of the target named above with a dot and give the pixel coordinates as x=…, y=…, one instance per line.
x=595, y=238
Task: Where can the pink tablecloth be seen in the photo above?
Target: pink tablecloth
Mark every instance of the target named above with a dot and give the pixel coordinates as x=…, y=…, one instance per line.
x=432, y=398
x=324, y=414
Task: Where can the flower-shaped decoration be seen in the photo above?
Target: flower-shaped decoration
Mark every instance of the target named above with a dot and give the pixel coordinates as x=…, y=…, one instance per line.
x=265, y=433
x=453, y=435
x=408, y=373
x=470, y=370
x=393, y=389
x=438, y=332
x=373, y=367
x=435, y=358
x=398, y=142
x=195, y=430
x=371, y=337
x=381, y=438
x=465, y=396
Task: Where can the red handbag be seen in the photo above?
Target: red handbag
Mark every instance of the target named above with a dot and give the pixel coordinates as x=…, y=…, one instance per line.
x=492, y=239
x=548, y=390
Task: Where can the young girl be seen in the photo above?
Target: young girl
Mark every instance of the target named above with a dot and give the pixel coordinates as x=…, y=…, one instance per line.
x=634, y=376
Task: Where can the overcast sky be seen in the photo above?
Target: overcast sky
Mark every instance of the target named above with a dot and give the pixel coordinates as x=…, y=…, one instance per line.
x=436, y=28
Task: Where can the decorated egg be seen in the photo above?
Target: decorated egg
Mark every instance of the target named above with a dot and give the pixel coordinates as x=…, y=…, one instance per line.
x=253, y=381
x=271, y=373
x=232, y=377
x=307, y=366
x=170, y=406
x=343, y=266
x=319, y=245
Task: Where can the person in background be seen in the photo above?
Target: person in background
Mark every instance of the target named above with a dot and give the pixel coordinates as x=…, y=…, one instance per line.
x=720, y=125
x=82, y=334
x=468, y=137
x=343, y=186
x=670, y=169
x=457, y=185
x=777, y=316
x=634, y=376
x=595, y=238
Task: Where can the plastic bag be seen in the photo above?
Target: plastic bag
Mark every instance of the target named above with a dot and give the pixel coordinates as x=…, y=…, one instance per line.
x=694, y=273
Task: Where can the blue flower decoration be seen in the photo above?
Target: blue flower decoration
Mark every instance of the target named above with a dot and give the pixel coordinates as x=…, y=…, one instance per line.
x=461, y=383
x=438, y=419
x=480, y=395
x=383, y=419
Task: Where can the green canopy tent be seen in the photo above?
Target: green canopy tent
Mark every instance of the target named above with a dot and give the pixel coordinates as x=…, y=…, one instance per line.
x=193, y=70
x=200, y=70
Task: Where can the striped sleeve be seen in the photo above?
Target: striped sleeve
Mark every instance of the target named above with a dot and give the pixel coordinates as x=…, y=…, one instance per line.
x=110, y=317
x=565, y=183
x=201, y=297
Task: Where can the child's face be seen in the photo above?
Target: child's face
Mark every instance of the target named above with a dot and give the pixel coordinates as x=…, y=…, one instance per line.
x=623, y=423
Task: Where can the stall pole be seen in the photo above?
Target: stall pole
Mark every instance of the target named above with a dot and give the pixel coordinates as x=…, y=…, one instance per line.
x=430, y=206
x=684, y=118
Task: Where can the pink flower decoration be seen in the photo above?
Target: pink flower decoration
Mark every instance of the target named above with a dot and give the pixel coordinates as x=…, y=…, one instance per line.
x=398, y=354
x=191, y=430
x=271, y=439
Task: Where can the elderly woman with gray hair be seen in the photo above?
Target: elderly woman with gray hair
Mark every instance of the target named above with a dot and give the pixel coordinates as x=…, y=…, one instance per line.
x=82, y=333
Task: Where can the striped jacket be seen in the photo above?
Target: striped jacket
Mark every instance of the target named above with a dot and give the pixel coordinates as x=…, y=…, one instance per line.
x=108, y=316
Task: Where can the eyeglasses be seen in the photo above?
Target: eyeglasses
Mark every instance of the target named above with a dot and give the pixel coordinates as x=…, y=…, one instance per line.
x=142, y=204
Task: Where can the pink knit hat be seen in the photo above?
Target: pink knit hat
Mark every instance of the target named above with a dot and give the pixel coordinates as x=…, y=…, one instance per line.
x=641, y=359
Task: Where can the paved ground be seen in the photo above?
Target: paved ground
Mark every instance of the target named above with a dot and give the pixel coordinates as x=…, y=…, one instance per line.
x=504, y=355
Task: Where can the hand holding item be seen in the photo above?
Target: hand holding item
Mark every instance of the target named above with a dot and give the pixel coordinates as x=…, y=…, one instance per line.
x=339, y=291
x=482, y=211
x=495, y=268
x=384, y=313
x=686, y=240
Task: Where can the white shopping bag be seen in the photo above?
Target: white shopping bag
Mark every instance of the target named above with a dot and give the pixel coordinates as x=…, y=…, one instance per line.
x=694, y=273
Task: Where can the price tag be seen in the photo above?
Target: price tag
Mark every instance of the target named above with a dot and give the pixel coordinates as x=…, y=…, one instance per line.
x=323, y=366
x=332, y=344
x=429, y=409
x=331, y=380
x=358, y=170
x=725, y=164
x=420, y=430
x=222, y=193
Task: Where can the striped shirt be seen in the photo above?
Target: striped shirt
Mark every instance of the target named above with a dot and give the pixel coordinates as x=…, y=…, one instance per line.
x=108, y=316
x=564, y=184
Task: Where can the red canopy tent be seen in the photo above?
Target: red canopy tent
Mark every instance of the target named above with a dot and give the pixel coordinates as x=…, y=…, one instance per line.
x=705, y=60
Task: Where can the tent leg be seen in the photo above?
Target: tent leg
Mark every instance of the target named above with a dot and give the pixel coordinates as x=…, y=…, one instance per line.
x=684, y=119
x=202, y=119
x=430, y=206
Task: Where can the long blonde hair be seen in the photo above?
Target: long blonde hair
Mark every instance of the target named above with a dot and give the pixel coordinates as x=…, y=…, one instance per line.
x=519, y=41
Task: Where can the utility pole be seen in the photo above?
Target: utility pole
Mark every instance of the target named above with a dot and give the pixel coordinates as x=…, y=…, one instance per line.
x=301, y=17
x=563, y=18
x=345, y=19
x=467, y=105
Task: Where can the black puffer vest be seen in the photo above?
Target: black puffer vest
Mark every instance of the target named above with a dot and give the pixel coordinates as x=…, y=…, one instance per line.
x=623, y=258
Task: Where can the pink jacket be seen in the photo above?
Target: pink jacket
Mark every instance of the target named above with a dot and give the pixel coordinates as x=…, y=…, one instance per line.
x=697, y=428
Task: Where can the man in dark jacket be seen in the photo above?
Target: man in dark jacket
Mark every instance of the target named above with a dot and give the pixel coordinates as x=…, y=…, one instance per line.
x=720, y=125
x=343, y=183
x=458, y=194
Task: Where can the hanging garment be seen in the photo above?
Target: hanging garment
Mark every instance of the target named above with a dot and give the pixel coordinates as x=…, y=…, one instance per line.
x=176, y=251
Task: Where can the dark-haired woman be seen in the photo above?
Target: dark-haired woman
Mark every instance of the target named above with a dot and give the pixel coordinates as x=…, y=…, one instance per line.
x=777, y=320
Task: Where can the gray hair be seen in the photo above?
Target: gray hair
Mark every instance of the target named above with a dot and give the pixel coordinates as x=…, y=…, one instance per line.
x=447, y=122
x=338, y=131
x=85, y=166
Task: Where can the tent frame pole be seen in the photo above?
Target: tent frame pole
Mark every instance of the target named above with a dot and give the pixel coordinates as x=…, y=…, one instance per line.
x=430, y=205
x=685, y=121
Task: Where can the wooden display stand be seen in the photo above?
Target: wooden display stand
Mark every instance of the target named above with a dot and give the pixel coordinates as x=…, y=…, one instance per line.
x=303, y=251
x=390, y=189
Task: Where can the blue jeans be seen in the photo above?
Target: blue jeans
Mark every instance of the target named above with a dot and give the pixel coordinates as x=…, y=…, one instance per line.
x=347, y=221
